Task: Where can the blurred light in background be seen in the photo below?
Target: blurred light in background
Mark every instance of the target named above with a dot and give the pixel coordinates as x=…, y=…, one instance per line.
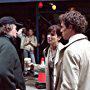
x=40, y=5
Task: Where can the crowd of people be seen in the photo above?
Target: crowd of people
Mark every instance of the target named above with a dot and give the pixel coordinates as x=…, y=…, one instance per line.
x=67, y=67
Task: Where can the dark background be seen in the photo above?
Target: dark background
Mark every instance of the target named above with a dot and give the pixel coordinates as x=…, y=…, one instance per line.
x=25, y=12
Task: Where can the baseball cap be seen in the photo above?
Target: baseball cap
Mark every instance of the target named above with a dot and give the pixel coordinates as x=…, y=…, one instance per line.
x=8, y=20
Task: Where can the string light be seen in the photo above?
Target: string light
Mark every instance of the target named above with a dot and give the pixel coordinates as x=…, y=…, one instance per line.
x=53, y=6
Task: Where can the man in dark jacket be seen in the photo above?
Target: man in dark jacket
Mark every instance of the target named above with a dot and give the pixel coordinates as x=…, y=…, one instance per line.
x=11, y=77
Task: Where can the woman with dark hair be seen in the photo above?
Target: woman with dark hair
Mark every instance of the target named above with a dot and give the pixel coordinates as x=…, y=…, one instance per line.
x=52, y=55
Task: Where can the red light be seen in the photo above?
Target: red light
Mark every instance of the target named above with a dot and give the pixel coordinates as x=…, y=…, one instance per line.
x=40, y=5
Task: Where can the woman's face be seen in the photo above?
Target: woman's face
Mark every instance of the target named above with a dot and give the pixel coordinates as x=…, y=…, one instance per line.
x=30, y=32
x=52, y=38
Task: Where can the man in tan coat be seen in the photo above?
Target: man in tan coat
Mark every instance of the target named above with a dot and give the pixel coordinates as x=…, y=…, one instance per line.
x=74, y=62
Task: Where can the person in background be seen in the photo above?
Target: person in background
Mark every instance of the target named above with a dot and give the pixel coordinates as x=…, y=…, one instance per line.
x=74, y=64
x=51, y=58
x=22, y=33
x=43, y=44
x=11, y=77
x=29, y=44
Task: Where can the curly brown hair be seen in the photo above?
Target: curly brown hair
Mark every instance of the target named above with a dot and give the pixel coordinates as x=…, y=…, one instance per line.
x=76, y=19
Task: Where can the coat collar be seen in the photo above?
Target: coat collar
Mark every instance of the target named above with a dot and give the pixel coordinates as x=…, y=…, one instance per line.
x=59, y=47
x=75, y=38
x=72, y=39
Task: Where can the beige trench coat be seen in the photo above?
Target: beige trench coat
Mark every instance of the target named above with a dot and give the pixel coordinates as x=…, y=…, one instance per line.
x=73, y=70
x=59, y=47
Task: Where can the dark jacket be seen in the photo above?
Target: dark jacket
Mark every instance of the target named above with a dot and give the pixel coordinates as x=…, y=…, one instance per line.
x=10, y=68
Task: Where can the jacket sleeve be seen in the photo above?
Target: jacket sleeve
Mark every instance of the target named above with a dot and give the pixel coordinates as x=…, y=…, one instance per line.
x=20, y=83
x=34, y=42
x=70, y=71
x=47, y=73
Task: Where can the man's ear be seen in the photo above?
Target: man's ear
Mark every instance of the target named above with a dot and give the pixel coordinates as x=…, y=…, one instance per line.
x=70, y=27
